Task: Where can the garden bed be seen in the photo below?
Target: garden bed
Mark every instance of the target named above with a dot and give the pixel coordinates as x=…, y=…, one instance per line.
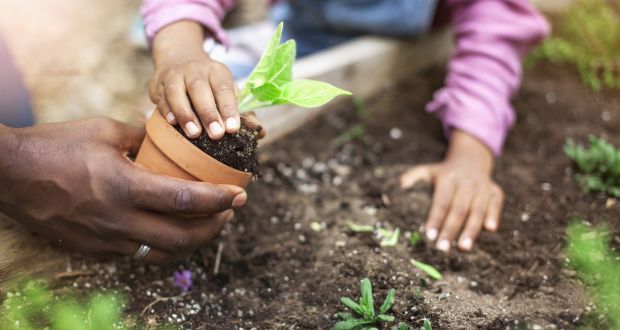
x=276, y=271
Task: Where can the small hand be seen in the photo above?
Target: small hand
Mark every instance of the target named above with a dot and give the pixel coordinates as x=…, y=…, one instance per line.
x=185, y=76
x=73, y=183
x=465, y=197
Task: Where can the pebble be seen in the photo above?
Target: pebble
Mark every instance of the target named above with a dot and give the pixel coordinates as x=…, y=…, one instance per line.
x=546, y=186
x=396, y=133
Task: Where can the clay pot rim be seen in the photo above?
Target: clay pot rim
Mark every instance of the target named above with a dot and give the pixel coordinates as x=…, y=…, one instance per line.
x=186, y=155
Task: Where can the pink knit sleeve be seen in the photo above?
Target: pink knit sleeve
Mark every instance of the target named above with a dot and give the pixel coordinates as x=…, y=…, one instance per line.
x=156, y=14
x=492, y=37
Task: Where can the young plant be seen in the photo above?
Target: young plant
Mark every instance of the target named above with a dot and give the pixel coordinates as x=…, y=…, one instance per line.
x=599, y=164
x=388, y=237
x=589, y=38
x=271, y=82
x=364, y=316
x=428, y=269
x=589, y=254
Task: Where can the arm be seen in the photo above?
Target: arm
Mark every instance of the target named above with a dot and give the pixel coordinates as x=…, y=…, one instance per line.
x=492, y=36
x=73, y=183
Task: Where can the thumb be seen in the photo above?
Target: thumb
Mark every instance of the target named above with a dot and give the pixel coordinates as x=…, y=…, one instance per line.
x=420, y=173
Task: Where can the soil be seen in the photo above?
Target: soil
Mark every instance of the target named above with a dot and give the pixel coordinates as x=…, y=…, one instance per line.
x=235, y=150
x=288, y=256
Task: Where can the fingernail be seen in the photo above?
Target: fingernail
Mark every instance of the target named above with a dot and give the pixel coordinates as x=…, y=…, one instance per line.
x=215, y=128
x=443, y=245
x=232, y=123
x=466, y=243
x=170, y=118
x=491, y=225
x=431, y=234
x=240, y=199
x=192, y=129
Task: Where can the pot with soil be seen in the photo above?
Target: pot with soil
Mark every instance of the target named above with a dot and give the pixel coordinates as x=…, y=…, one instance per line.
x=232, y=160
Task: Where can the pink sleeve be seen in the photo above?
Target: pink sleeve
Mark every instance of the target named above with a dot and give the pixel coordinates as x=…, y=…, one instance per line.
x=492, y=37
x=156, y=14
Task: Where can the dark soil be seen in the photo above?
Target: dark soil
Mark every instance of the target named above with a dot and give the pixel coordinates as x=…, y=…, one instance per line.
x=235, y=150
x=278, y=272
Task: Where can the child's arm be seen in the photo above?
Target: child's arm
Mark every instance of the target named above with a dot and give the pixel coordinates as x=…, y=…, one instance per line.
x=184, y=73
x=492, y=36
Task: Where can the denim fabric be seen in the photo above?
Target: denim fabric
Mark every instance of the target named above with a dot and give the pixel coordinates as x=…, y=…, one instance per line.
x=15, y=107
x=320, y=24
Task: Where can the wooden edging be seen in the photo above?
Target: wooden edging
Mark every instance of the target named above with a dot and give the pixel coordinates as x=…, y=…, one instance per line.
x=363, y=66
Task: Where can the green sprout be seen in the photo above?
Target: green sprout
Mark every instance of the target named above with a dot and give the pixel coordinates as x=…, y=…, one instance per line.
x=428, y=269
x=271, y=82
x=589, y=254
x=365, y=316
x=388, y=237
x=599, y=164
x=415, y=238
x=356, y=132
x=588, y=38
x=35, y=306
x=360, y=228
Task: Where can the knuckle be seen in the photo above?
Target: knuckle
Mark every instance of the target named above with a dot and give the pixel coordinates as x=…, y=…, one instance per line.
x=460, y=212
x=223, y=88
x=182, y=242
x=196, y=85
x=181, y=199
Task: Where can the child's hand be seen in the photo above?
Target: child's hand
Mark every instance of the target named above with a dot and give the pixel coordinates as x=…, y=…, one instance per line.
x=465, y=197
x=186, y=76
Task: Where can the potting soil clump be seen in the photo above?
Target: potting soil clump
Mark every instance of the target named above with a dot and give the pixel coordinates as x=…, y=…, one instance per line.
x=235, y=150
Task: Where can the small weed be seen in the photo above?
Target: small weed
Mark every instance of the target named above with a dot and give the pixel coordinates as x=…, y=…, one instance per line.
x=388, y=237
x=365, y=316
x=428, y=269
x=360, y=228
x=415, y=238
x=588, y=38
x=588, y=253
x=599, y=164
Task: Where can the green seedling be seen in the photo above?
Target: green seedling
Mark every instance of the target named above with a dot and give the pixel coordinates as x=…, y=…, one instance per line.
x=354, y=133
x=428, y=269
x=404, y=326
x=271, y=82
x=364, y=315
x=589, y=254
x=415, y=238
x=388, y=237
x=589, y=38
x=34, y=306
x=599, y=165
x=360, y=228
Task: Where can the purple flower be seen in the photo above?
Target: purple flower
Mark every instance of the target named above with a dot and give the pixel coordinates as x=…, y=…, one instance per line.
x=183, y=280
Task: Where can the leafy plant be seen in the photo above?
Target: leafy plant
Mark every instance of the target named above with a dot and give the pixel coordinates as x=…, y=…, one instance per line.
x=388, y=237
x=415, y=238
x=589, y=254
x=599, y=164
x=271, y=82
x=588, y=38
x=34, y=306
x=428, y=269
x=365, y=309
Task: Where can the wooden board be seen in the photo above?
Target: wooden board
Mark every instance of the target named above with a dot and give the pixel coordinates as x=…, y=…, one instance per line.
x=363, y=66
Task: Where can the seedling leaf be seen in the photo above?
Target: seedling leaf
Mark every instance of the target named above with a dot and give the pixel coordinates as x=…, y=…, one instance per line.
x=366, y=301
x=427, y=325
x=360, y=228
x=282, y=68
x=386, y=318
x=401, y=326
x=259, y=75
x=415, y=238
x=352, y=305
x=351, y=324
x=388, y=302
x=345, y=316
x=389, y=238
x=308, y=93
x=428, y=269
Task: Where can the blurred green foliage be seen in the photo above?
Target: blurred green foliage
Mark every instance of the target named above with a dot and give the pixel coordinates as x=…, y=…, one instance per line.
x=588, y=36
x=35, y=306
x=589, y=254
x=599, y=165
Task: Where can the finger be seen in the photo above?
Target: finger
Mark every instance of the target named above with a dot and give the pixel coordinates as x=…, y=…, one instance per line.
x=164, y=109
x=250, y=121
x=176, y=96
x=174, y=235
x=442, y=199
x=131, y=138
x=225, y=97
x=166, y=194
x=414, y=175
x=494, y=211
x=204, y=102
x=459, y=209
x=474, y=222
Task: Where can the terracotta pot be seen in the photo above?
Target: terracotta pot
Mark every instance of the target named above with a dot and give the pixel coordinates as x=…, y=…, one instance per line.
x=166, y=151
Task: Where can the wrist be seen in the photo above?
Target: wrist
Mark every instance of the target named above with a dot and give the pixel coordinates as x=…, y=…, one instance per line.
x=466, y=147
x=178, y=42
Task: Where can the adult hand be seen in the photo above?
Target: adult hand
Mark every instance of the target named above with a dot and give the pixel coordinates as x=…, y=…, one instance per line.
x=73, y=182
x=465, y=197
x=186, y=76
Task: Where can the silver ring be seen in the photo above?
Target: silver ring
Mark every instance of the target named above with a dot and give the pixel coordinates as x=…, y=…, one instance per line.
x=143, y=250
